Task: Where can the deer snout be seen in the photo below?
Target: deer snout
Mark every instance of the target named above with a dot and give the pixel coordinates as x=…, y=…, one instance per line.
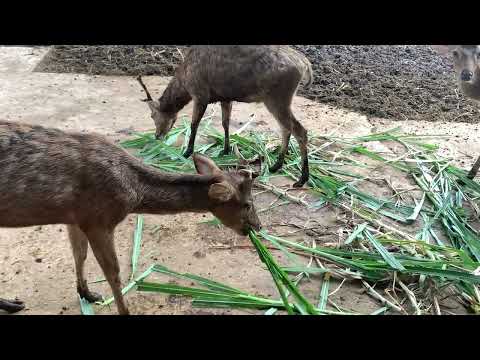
x=159, y=135
x=255, y=224
x=257, y=227
x=466, y=75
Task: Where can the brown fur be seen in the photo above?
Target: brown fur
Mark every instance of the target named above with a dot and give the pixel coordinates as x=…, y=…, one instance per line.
x=466, y=58
x=244, y=73
x=82, y=180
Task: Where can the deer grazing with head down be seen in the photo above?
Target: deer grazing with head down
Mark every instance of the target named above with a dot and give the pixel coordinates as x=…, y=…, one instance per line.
x=242, y=73
x=88, y=183
x=466, y=62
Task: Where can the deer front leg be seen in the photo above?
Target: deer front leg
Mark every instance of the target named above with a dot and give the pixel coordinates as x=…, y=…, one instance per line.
x=226, y=113
x=101, y=242
x=11, y=306
x=473, y=172
x=198, y=111
x=79, y=243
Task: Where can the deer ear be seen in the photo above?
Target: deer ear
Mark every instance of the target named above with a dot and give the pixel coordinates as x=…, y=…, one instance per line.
x=221, y=191
x=204, y=165
x=442, y=49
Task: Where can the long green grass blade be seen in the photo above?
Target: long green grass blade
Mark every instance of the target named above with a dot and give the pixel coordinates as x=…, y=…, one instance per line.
x=137, y=241
x=322, y=303
x=389, y=258
x=356, y=233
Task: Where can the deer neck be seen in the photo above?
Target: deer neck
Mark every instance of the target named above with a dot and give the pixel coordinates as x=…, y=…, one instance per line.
x=161, y=193
x=174, y=98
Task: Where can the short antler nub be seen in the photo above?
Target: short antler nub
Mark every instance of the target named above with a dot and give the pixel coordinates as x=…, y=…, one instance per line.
x=149, y=98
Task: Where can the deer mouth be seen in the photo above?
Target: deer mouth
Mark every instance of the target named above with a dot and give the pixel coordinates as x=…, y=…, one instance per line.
x=160, y=136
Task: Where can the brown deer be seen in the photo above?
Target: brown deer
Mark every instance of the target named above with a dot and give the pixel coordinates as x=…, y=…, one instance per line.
x=91, y=185
x=242, y=73
x=466, y=62
x=11, y=306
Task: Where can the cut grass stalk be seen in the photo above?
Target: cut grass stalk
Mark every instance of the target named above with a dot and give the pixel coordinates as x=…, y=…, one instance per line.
x=85, y=307
x=129, y=287
x=322, y=303
x=445, y=186
x=137, y=241
x=357, y=232
x=217, y=294
x=380, y=298
x=280, y=277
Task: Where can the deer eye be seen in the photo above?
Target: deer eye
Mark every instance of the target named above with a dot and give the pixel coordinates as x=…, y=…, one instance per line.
x=455, y=53
x=247, y=206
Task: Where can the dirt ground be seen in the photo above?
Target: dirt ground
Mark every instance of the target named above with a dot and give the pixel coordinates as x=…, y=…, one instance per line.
x=403, y=82
x=36, y=264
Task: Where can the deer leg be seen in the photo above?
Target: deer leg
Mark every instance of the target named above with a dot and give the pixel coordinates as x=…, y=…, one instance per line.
x=226, y=113
x=198, y=111
x=11, y=306
x=280, y=108
x=283, y=151
x=300, y=134
x=101, y=242
x=79, y=243
x=473, y=172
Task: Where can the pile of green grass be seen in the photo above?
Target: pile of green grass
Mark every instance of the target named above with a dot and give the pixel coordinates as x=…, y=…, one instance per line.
x=421, y=264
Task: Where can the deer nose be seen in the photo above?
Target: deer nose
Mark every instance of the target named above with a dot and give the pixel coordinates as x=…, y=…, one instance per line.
x=466, y=75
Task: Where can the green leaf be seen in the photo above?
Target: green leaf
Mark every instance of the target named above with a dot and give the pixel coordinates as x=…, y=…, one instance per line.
x=389, y=258
x=137, y=241
x=86, y=307
x=356, y=232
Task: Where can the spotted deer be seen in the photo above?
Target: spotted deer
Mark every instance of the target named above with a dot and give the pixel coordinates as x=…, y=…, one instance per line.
x=466, y=62
x=242, y=73
x=86, y=182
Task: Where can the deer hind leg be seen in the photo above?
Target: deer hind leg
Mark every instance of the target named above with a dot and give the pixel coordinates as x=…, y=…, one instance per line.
x=283, y=150
x=290, y=125
x=473, y=172
x=11, y=306
x=101, y=241
x=79, y=243
x=198, y=111
x=226, y=113
x=300, y=134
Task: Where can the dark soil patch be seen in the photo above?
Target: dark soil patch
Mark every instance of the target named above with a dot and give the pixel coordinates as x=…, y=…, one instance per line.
x=112, y=60
x=396, y=82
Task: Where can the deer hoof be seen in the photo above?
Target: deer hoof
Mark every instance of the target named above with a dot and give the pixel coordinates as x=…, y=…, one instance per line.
x=300, y=183
x=12, y=306
x=275, y=168
x=91, y=297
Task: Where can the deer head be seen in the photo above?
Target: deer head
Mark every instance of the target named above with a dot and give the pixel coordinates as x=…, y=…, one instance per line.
x=164, y=121
x=466, y=61
x=231, y=197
